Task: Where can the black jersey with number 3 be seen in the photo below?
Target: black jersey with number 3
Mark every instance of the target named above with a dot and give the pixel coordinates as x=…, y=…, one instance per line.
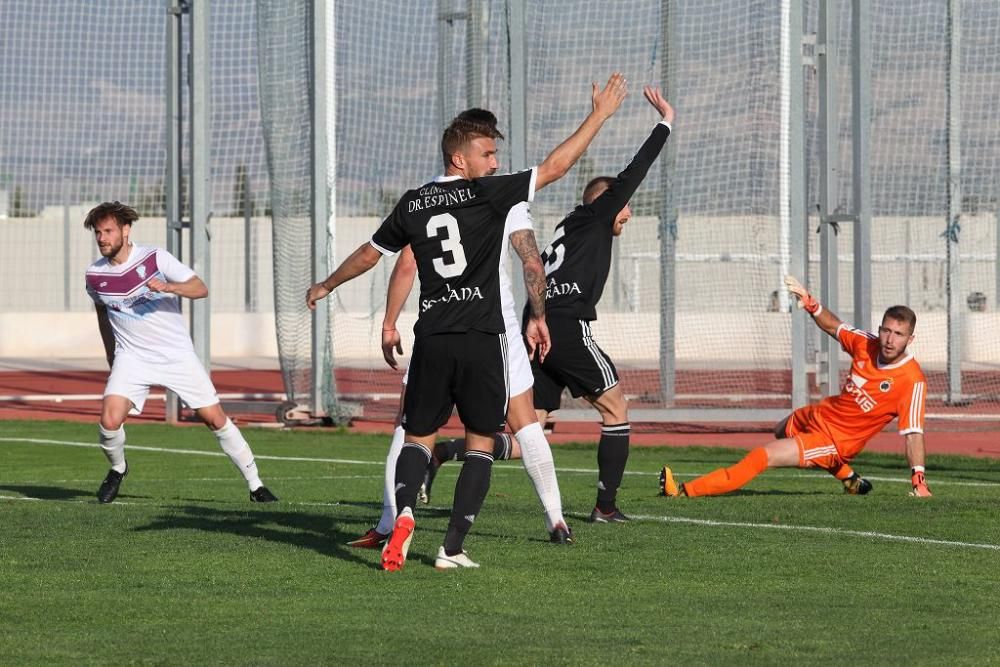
x=455, y=228
x=578, y=259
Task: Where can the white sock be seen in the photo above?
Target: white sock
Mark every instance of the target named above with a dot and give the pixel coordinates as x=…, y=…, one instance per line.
x=238, y=451
x=113, y=445
x=536, y=456
x=389, y=488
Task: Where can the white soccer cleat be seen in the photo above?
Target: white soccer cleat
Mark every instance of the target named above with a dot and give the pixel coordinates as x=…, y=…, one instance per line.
x=446, y=562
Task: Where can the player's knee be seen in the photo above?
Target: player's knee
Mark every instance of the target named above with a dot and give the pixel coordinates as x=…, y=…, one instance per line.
x=613, y=407
x=111, y=422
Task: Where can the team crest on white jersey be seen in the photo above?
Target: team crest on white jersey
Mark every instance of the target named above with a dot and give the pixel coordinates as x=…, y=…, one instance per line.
x=141, y=270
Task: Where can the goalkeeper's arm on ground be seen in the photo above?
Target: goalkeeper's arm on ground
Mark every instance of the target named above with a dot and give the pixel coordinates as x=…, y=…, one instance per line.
x=823, y=318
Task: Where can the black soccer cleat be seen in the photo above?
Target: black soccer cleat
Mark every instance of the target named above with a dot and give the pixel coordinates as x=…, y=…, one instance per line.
x=614, y=516
x=109, y=487
x=855, y=485
x=561, y=534
x=262, y=495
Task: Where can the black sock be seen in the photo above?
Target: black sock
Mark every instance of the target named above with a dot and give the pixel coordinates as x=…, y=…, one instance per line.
x=612, y=453
x=410, y=468
x=502, y=447
x=470, y=492
x=446, y=450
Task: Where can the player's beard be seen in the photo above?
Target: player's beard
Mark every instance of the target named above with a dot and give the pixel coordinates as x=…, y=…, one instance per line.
x=895, y=357
x=111, y=250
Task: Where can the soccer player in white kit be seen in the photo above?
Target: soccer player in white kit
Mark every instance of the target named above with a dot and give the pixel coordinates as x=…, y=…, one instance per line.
x=135, y=291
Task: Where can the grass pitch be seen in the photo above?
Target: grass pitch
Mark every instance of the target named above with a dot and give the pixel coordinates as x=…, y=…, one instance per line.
x=183, y=569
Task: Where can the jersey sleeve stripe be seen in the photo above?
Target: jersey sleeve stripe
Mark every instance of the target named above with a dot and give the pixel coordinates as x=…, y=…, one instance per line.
x=384, y=251
x=916, y=406
x=531, y=184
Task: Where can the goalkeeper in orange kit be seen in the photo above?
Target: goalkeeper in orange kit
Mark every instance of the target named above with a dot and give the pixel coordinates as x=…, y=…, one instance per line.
x=885, y=382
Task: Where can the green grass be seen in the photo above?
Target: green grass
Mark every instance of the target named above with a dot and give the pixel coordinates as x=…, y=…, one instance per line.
x=184, y=570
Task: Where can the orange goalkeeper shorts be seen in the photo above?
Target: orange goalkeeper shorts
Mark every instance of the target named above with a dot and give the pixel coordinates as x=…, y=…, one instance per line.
x=819, y=445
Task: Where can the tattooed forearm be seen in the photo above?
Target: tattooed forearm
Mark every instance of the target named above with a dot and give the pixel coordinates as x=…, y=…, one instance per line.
x=524, y=244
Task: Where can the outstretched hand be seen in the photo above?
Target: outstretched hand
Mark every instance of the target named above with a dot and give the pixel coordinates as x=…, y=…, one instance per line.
x=653, y=95
x=806, y=300
x=607, y=101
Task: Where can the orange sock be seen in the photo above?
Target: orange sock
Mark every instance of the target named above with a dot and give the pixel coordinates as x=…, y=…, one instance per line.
x=729, y=479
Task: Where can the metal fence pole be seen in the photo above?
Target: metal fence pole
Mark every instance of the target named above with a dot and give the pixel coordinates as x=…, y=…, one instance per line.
x=320, y=332
x=174, y=96
x=667, y=232
x=475, y=38
x=861, y=114
x=517, y=25
x=826, y=52
x=793, y=200
x=953, y=227
x=201, y=177
x=67, y=240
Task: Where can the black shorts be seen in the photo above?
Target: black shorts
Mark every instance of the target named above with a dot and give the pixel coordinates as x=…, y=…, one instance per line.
x=575, y=361
x=468, y=370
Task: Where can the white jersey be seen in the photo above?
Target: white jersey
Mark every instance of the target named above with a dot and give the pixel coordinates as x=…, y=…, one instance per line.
x=518, y=218
x=146, y=324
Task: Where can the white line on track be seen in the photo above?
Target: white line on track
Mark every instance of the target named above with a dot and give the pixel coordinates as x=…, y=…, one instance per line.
x=500, y=466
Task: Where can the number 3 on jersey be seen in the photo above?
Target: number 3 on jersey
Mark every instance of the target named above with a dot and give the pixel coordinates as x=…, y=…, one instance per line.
x=452, y=243
x=555, y=253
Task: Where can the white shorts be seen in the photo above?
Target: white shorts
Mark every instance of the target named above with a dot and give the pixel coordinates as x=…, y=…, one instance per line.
x=131, y=377
x=519, y=367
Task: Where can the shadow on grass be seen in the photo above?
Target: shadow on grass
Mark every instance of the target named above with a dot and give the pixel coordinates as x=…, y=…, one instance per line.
x=49, y=492
x=307, y=531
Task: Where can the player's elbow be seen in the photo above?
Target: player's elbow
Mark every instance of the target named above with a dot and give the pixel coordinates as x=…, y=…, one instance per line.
x=198, y=289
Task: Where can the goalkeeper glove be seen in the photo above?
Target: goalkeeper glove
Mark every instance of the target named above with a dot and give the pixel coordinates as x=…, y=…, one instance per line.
x=856, y=485
x=919, y=483
x=806, y=300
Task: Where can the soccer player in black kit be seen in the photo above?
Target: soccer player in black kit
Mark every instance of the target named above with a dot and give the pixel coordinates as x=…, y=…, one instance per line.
x=576, y=268
x=454, y=226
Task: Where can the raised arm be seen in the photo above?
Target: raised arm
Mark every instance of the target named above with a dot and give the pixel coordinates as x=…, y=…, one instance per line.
x=823, y=318
x=400, y=284
x=192, y=288
x=605, y=103
x=537, y=332
x=361, y=260
x=618, y=194
x=107, y=334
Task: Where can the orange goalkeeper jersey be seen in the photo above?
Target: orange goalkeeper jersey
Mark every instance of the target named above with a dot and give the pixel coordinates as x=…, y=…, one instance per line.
x=873, y=395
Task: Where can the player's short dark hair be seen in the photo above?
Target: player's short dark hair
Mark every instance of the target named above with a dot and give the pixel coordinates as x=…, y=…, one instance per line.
x=466, y=126
x=902, y=314
x=595, y=187
x=122, y=213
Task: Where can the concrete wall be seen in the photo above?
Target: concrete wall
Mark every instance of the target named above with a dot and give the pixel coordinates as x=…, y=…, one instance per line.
x=727, y=270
